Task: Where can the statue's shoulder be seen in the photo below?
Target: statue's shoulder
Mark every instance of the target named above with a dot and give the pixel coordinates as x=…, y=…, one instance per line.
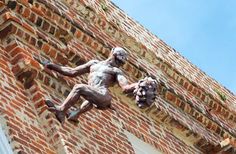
x=94, y=61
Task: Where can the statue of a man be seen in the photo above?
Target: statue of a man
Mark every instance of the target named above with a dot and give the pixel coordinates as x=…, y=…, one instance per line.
x=102, y=74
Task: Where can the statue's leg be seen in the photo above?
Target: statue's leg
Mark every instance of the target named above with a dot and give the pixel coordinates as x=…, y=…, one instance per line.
x=54, y=108
x=73, y=97
x=74, y=115
x=60, y=111
x=97, y=96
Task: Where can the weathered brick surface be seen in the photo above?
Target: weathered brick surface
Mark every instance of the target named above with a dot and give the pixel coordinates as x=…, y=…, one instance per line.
x=189, y=116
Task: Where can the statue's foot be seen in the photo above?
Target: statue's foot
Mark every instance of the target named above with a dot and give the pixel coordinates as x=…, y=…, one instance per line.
x=60, y=115
x=49, y=103
x=73, y=116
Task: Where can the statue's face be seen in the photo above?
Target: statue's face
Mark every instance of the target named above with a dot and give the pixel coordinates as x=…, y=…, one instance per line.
x=145, y=93
x=120, y=56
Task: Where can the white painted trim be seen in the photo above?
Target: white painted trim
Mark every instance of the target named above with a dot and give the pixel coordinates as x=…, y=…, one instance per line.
x=139, y=146
x=4, y=145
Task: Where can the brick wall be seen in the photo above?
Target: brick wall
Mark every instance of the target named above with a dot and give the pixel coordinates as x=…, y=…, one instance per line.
x=190, y=114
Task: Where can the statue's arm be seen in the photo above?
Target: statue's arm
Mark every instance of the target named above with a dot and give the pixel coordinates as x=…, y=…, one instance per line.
x=69, y=71
x=123, y=82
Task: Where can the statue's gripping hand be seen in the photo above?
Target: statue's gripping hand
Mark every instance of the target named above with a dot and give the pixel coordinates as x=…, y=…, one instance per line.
x=145, y=92
x=46, y=63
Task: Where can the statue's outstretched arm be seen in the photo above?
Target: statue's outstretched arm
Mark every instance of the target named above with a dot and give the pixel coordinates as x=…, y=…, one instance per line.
x=69, y=71
x=123, y=82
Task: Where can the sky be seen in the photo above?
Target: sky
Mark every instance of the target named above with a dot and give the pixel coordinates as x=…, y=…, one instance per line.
x=203, y=31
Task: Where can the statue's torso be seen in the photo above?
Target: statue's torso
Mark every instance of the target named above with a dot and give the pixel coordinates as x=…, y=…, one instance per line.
x=102, y=75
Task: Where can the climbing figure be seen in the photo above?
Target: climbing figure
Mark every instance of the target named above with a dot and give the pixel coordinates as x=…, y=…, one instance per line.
x=102, y=75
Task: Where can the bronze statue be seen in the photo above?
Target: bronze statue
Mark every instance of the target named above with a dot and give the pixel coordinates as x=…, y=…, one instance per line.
x=102, y=74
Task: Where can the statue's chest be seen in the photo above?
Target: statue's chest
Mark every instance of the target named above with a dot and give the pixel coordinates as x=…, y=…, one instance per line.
x=102, y=69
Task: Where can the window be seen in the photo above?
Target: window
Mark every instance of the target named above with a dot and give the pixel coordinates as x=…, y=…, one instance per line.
x=4, y=145
x=139, y=146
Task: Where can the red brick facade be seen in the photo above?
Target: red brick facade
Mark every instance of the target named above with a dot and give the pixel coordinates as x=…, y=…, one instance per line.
x=193, y=114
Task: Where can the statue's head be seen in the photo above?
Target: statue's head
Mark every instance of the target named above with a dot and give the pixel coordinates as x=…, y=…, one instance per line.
x=120, y=55
x=145, y=92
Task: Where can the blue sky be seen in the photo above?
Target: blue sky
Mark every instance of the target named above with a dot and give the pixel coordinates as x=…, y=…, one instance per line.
x=203, y=31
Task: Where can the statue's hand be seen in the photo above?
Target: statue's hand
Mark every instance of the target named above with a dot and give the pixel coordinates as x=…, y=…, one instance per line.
x=145, y=92
x=46, y=63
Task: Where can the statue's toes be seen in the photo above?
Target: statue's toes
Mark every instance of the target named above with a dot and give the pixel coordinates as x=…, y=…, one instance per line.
x=49, y=103
x=51, y=106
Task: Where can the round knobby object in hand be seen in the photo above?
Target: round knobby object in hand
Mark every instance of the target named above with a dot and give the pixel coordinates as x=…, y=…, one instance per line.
x=145, y=92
